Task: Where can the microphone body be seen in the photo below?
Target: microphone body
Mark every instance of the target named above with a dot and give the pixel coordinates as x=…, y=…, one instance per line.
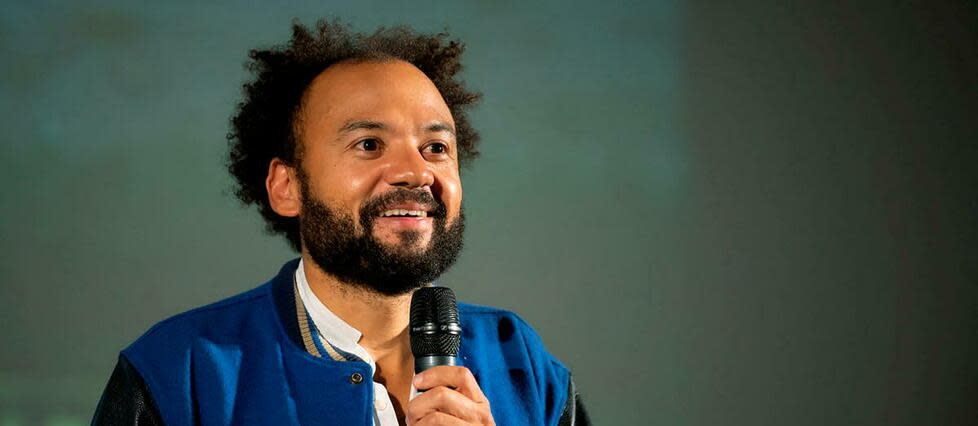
x=425, y=362
x=434, y=327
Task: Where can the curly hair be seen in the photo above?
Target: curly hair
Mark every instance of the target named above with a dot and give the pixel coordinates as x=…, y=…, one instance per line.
x=264, y=129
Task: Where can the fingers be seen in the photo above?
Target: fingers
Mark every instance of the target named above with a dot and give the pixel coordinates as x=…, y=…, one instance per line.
x=458, y=378
x=439, y=419
x=442, y=401
x=451, y=397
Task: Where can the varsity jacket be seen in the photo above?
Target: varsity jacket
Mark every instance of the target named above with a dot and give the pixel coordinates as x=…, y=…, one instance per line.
x=256, y=358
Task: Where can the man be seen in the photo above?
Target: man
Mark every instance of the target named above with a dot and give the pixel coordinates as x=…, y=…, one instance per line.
x=350, y=146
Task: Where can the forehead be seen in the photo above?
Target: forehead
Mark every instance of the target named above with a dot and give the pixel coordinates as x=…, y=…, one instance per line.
x=373, y=90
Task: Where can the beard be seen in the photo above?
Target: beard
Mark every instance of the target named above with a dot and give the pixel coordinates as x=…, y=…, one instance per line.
x=332, y=242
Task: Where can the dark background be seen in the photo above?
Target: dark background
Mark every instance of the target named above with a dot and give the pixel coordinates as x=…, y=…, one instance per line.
x=715, y=213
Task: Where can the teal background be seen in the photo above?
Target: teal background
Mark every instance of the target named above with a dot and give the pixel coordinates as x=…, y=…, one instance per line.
x=715, y=213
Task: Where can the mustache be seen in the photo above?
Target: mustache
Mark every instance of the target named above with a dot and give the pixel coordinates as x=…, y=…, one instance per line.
x=373, y=207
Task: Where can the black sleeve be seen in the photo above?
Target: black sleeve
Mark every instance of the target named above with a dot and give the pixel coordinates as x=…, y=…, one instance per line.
x=574, y=413
x=126, y=400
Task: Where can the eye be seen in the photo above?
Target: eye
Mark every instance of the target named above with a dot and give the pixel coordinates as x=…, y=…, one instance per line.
x=369, y=144
x=437, y=148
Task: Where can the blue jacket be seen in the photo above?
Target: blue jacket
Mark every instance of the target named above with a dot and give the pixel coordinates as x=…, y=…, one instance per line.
x=250, y=359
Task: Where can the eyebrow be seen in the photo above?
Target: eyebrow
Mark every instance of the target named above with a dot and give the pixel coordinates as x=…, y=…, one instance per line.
x=437, y=126
x=440, y=127
x=362, y=125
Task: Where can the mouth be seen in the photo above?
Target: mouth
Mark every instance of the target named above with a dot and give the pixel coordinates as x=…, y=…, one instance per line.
x=408, y=210
x=404, y=213
x=410, y=216
x=403, y=210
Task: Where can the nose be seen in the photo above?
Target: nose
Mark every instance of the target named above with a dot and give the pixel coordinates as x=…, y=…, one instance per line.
x=409, y=169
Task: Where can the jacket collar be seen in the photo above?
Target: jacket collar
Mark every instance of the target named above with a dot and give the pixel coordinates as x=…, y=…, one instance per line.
x=283, y=294
x=295, y=319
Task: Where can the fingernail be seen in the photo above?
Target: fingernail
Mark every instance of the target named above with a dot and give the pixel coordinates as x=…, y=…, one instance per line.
x=418, y=379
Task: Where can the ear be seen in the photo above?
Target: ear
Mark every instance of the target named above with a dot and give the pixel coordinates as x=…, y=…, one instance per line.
x=282, y=186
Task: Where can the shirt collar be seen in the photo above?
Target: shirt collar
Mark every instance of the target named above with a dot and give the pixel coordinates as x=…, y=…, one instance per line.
x=333, y=329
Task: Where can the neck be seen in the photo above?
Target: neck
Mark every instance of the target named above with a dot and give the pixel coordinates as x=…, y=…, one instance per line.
x=381, y=319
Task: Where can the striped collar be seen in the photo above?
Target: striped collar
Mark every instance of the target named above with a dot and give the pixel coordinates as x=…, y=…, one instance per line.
x=339, y=338
x=295, y=318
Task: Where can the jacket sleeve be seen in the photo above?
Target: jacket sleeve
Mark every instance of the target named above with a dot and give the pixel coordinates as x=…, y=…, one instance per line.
x=574, y=413
x=126, y=400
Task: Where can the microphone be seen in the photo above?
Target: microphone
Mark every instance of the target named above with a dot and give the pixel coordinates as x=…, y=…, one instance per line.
x=435, y=330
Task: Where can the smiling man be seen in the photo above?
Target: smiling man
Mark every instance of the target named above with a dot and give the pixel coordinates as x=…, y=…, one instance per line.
x=350, y=145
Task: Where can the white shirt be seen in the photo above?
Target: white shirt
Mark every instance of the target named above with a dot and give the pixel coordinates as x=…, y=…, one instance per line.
x=341, y=335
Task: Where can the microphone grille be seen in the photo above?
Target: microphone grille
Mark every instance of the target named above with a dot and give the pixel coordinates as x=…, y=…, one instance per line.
x=433, y=305
x=435, y=328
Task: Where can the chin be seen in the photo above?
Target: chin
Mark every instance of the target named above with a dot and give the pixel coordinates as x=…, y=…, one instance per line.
x=402, y=241
x=408, y=249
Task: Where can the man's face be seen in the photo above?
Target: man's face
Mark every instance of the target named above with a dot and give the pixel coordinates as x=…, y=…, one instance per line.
x=381, y=194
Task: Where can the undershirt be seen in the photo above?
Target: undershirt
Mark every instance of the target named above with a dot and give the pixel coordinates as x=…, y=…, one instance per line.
x=341, y=335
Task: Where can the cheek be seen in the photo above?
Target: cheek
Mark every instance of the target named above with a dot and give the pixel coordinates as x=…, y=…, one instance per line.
x=354, y=185
x=347, y=188
x=451, y=194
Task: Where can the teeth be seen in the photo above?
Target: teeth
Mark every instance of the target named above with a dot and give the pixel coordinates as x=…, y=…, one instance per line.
x=402, y=212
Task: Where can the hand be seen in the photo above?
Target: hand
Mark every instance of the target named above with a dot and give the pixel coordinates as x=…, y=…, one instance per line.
x=451, y=397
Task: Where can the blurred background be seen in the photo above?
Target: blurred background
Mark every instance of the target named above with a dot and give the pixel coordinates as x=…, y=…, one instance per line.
x=715, y=213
